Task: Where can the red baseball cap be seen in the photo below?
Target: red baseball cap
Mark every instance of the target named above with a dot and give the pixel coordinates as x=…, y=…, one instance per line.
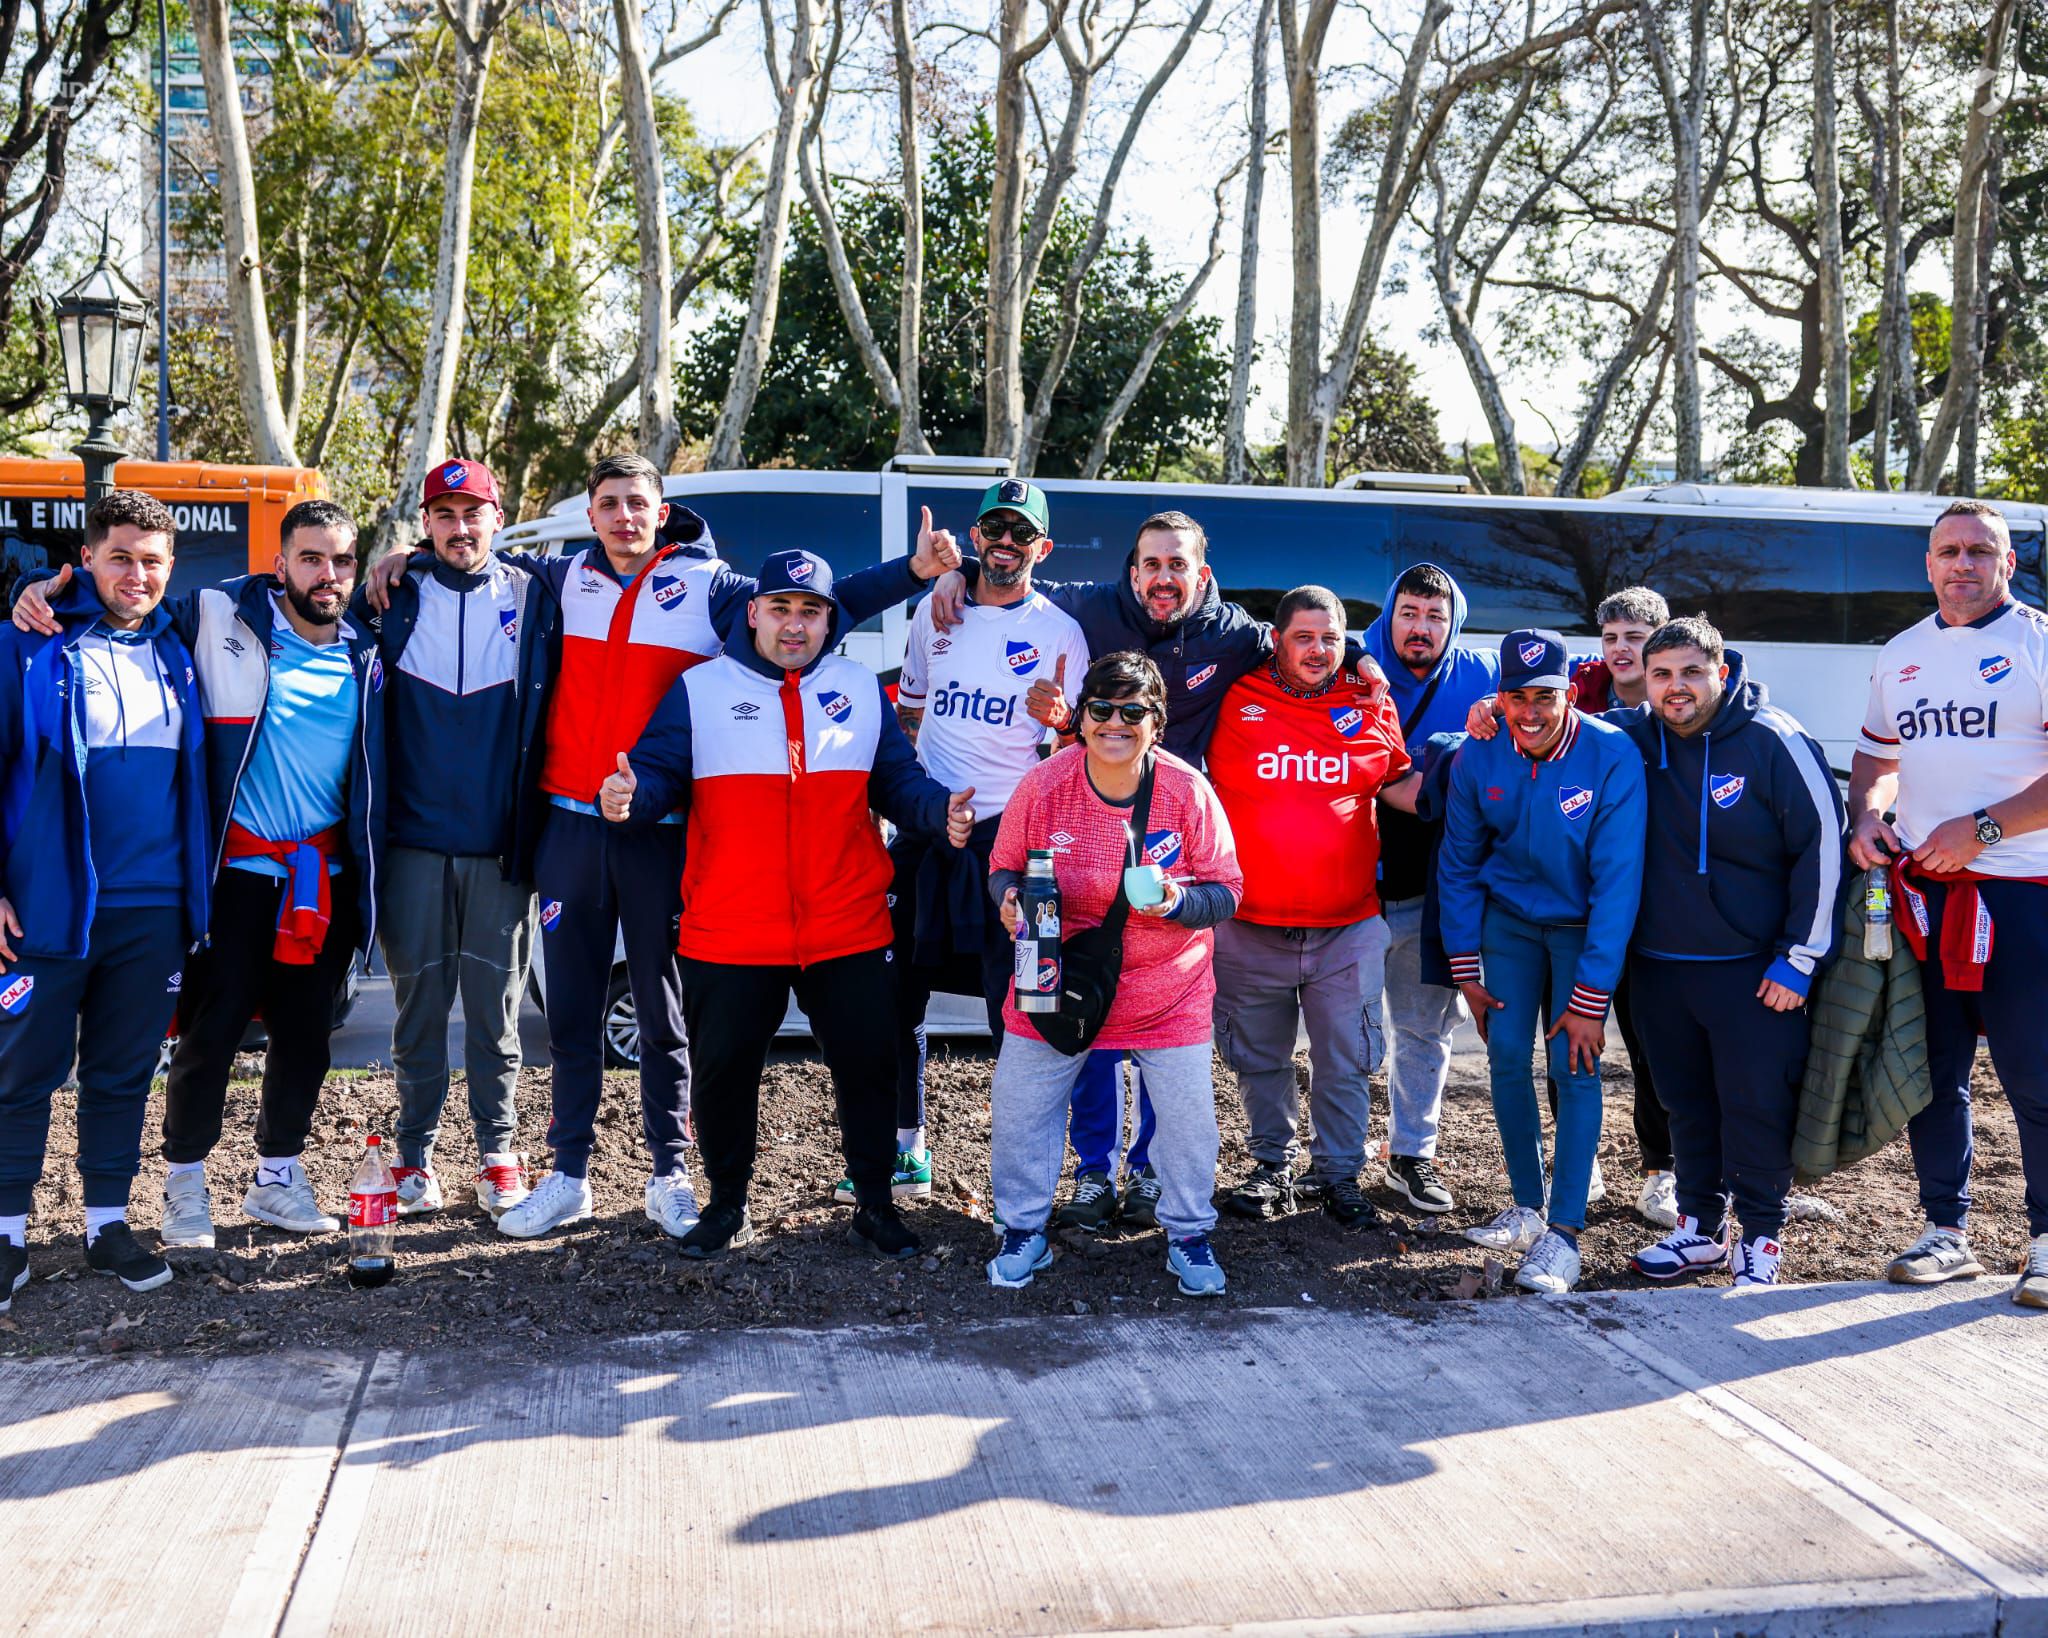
x=461, y=478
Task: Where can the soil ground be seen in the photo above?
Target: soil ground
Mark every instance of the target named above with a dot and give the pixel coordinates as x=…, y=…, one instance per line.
x=462, y=1283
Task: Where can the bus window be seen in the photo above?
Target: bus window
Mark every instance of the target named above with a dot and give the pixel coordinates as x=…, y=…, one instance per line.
x=1887, y=579
x=749, y=524
x=1519, y=566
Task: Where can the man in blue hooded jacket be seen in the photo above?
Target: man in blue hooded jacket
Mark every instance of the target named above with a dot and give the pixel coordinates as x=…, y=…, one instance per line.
x=1435, y=680
x=1538, y=879
x=103, y=874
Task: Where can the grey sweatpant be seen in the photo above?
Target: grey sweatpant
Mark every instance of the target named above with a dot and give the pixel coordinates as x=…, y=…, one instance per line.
x=1268, y=980
x=1032, y=1085
x=1421, y=1019
x=449, y=926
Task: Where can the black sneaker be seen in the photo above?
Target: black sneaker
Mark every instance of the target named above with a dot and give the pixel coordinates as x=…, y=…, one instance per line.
x=1413, y=1177
x=883, y=1232
x=13, y=1272
x=1091, y=1207
x=116, y=1251
x=1346, y=1202
x=722, y=1226
x=1141, y=1199
x=1267, y=1192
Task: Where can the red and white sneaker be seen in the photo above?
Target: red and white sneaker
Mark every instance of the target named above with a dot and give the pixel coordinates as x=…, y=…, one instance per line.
x=419, y=1190
x=1756, y=1261
x=501, y=1184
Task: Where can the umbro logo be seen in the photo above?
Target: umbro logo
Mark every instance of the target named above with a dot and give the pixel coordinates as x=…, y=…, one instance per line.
x=234, y=645
x=1060, y=838
x=942, y=645
x=746, y=710
x=1251, y=713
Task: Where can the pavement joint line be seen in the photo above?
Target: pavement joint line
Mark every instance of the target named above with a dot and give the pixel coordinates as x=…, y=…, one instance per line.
x=2010, y=1583
x=314, y=1598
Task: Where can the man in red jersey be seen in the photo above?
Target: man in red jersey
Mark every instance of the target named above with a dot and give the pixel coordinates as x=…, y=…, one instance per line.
x=1302, y=749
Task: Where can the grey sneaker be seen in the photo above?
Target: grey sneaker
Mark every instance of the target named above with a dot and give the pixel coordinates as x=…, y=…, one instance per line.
x=1141, y=1199
x=188, y=1211
x=1091, y=1207
x=288, y=1202
x=1193, y=1263
x=1267, y=1192
x=1939, y=1254
x=2032, y=1291
x=1022, y=1256
x=1552, y=1266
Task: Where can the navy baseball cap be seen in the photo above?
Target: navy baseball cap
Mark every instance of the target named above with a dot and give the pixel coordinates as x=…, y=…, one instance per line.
x=795, y=571
x=1533, y=659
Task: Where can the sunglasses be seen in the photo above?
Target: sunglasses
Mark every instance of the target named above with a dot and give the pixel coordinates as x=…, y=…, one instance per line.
x=1133, y=712
x=1021, y=532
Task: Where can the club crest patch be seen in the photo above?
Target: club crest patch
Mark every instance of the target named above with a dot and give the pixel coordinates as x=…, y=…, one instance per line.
x=1574, y=801
x=550, y=913
x=1162, y=847
x=669, y=593
x=801, y=570
x=508, y=621
x=1021, y=658
x=1727, y=789
x=14, y=999
x=454, y=475
x=376, y=674
x=1994, y=668
x=836, y=706
x=1348, y=720
x=1531, y=653
x=1197, y=678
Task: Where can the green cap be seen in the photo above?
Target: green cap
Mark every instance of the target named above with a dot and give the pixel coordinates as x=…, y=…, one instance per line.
x=1015, y=495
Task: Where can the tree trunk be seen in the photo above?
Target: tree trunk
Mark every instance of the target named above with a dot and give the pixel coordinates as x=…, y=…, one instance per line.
x=1244, y=330
x=1882, y=178
x=1967, y=475
x=1681, y=111
x=1003, y=330
x=750, y=362
x=910, y=439
x=248, y=316
x=1451, y=296
x=660, y=436
x=474, y=27
x=1578, y=454
x=1303, y=30
x=1969, y=274
x=1827, y=192
x=298, y=341
x=1897, y=341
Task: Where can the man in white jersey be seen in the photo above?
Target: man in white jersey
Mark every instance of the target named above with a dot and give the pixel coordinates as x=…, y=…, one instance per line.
x=1956, y=737
x=975, y=701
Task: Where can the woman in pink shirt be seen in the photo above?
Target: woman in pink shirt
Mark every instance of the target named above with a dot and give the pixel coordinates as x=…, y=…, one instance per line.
x=1078, y=804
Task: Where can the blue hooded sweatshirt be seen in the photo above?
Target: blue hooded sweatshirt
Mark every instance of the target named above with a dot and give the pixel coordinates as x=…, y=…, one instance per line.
x=1744, y=853
x=1434, y=703
x=1558, y=843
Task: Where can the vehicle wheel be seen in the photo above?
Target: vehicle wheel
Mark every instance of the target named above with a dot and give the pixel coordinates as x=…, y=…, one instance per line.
x=621, y=1026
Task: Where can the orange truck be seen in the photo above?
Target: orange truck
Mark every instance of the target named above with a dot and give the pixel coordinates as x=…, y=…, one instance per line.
x=227, y=516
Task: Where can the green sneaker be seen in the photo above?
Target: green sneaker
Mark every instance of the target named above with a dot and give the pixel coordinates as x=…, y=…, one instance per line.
x=912, y=1179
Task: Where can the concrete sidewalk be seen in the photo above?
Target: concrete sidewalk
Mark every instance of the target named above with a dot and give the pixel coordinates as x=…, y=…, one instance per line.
x=1816, y=1458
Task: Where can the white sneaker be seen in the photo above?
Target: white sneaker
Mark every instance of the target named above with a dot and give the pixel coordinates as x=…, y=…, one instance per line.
x=419, y=1190
x=501, y=1184
x=1682, y=1252
x=287, y=1202
x=1516, y=1229
x=1939, y=1254
x=1658, y=1203
x=1596, y=1186
x=1756, y=1261
x=559, y=1201
x=188, y=1211
x=672, y=1203
x=1552, y=1266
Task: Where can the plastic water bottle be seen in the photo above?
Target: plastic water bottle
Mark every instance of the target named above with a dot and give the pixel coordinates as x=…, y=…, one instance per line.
x=1037, y=971
x=372, y=1219
x=1877, y=913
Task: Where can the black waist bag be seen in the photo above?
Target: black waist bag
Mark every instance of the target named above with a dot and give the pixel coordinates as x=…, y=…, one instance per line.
x=1092, y=962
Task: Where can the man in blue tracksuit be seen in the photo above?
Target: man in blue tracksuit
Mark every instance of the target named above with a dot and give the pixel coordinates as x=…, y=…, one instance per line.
x=1741, y=871
x=1538, y=881
x=1435, y=680
x=103, y=874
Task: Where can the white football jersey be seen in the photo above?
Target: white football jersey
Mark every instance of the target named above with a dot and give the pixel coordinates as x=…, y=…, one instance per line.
x=1963, y=710
x=970, y=683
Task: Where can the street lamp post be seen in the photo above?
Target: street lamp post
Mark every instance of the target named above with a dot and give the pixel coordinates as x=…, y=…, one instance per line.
x=100, y=322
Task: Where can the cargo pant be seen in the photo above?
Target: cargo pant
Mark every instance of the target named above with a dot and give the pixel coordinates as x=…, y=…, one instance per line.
x=1268, y=981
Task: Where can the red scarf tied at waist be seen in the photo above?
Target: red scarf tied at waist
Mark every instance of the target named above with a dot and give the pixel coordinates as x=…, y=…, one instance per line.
x=303, y=917
x=1966, y=930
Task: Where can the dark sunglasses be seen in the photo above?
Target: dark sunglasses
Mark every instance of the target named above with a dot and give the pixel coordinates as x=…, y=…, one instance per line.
x=1020, y=531
x=1132, y=711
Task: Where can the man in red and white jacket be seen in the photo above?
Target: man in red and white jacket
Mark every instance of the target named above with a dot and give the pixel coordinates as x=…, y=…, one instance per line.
x=776, y=752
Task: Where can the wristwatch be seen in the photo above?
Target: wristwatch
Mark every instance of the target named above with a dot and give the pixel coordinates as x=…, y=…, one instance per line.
x=1989, y=831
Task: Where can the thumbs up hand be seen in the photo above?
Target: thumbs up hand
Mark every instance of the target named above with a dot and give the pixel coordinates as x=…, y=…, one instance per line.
x=1047, y=701
x=615, y=795
x=937, y=550
x=960, y=816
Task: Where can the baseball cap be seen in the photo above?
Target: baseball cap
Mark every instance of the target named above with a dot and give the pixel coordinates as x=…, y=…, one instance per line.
x=1015, y=495
x=1533, y=659
x=796, y=571
x=461, y=478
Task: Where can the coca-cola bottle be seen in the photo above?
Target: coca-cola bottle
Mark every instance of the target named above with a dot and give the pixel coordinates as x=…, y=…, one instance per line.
x=372, y=1219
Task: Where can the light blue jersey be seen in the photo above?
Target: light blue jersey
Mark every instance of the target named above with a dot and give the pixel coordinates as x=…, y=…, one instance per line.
x=298, y=771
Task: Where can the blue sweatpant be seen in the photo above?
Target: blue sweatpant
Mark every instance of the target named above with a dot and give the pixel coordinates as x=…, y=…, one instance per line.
x=112, y=1008
x=2011, y=1012
x=1097, y=1117
x=1529, y=969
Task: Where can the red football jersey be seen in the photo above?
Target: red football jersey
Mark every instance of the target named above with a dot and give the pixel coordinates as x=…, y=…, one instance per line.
x=1297, y=778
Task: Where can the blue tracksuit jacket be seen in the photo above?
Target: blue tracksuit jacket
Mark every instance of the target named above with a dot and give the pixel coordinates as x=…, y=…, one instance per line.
x=1557, y=842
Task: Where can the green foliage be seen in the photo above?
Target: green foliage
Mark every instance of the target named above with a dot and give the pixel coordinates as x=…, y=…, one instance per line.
x=817, y=407
x=1386, y=423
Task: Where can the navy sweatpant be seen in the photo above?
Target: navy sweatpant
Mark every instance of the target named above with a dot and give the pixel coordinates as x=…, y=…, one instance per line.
x=601, y=886
x=1728, y=1070
x=2011, y=1012
x=111, y=1008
